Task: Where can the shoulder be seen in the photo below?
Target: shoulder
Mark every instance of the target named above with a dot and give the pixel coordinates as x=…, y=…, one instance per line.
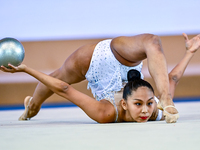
x=107, y=112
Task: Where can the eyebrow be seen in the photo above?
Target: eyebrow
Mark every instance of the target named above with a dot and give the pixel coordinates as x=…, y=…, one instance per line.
x=142, y=100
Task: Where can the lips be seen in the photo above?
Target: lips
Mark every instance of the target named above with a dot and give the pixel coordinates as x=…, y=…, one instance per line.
x=144, y=117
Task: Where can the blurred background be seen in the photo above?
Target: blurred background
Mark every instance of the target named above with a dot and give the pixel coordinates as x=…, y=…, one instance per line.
x=51, y=30
x=80, y=19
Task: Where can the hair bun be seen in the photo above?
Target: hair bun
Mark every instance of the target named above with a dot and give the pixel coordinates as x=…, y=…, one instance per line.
x=133, y=75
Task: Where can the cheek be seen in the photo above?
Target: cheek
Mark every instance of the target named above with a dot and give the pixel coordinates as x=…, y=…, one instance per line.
x=134, y=110
x=151, y=108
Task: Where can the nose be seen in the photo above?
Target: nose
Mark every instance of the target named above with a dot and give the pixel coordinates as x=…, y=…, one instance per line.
x=144, y=109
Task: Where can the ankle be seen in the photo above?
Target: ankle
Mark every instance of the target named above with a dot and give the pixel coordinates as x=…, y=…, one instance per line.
x=166, y=99
x=33, y=109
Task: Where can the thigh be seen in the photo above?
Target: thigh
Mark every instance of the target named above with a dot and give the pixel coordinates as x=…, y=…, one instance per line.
x=76, y=65
x=130, y=49
x=68, y=73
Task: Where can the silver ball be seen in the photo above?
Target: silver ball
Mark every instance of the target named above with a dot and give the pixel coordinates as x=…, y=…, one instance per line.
x=11, y=51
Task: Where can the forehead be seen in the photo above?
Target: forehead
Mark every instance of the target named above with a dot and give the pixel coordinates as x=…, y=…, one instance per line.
x=141, y=93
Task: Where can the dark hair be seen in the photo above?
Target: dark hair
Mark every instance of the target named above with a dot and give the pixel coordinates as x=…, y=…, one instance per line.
x=134, y=82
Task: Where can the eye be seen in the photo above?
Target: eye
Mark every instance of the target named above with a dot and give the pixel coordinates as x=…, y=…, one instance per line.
x=150, y=103
x=138, y=104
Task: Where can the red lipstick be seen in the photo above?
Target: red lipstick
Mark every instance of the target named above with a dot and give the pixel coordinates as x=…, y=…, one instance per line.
x=144, y=117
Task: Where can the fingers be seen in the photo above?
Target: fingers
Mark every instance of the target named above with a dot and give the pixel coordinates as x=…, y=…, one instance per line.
x=11, y=69
x=185, y=37
x=4, y=69
x=197, y=40
x=1, y=68
x=11, y=66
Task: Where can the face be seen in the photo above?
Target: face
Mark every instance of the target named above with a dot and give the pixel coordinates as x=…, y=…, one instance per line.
x=140, y=105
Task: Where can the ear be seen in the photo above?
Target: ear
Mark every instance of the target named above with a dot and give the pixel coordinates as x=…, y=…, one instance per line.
x=123, y=104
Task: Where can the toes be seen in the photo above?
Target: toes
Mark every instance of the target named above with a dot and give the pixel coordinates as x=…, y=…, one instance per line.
x=22, y=118
x=171, y=118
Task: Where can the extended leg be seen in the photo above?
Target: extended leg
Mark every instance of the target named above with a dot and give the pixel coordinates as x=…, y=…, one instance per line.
x=131, y=51
x=33, y=104
x=65, y=73
x=158, y=69
x=174, y=76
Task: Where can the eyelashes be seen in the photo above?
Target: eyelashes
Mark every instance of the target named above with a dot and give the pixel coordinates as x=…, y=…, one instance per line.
x=139, y=104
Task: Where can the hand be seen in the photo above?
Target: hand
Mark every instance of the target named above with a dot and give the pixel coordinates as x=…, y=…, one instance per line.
x=13, y=69
x=193, y=44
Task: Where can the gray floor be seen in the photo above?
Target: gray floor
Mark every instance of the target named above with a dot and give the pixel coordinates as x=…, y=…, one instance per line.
x=70, y=128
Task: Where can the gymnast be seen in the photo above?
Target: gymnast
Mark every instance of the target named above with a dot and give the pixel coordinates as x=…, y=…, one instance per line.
x=105, y=65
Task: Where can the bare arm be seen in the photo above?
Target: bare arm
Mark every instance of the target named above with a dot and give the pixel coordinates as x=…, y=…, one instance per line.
x=177, y=72
x=54, y=84
x=100, y=111
x=136, y=48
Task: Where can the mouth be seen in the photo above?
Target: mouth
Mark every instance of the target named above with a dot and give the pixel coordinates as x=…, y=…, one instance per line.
x=144, y=117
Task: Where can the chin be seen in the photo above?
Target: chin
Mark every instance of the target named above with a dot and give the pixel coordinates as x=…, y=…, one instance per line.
x=142, y=121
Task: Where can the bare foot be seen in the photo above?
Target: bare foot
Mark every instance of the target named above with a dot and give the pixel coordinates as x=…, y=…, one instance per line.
x=25, y=115
x=169, y=111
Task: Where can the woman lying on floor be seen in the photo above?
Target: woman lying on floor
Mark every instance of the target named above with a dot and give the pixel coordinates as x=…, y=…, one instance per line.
x=138, y=103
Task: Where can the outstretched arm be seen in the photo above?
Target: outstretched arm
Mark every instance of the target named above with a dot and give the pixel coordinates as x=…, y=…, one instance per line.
x=54, y=84
x=192, y=46
x=100, y=111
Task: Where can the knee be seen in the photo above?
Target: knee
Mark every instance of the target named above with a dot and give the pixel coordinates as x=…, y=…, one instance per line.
x=154, y=41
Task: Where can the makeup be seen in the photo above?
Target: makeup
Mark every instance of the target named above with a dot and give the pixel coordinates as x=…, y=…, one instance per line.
x=144, y=117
